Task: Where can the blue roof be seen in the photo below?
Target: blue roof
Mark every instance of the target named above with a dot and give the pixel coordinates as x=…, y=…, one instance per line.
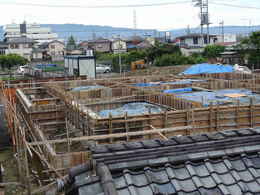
x=208, y=69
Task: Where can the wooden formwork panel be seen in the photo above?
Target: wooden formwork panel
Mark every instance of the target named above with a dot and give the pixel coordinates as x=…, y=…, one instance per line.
x=68, y=160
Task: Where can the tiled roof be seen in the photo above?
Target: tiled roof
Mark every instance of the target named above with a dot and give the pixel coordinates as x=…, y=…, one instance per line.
x=223, y=163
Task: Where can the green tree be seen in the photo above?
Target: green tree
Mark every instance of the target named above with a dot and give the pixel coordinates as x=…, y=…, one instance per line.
x=213, y=51
x=71, y=44
x=160, y=49
x=11, y=60
x=250, y=48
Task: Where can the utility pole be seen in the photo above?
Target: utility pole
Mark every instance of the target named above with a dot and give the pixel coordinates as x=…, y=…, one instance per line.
x=204, y=17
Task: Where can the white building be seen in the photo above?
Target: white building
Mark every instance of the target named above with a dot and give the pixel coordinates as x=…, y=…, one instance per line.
x=228, y=38
x=196, y=40
x=119, y=46
x=32, y=31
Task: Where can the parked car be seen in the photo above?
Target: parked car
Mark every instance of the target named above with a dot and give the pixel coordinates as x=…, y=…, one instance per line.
x=103, y=69
x=23, y=69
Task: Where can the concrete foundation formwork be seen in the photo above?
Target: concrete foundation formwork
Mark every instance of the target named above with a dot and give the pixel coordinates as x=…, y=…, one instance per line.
x=55, y=124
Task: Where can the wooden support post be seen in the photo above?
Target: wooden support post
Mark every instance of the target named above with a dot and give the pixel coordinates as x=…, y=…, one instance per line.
x=126, y=126
x=217, y=117
x=237, y=114
x=252, y=112
x=68, y=139
x=187, y=119
x=110, y=126
x=210, y=117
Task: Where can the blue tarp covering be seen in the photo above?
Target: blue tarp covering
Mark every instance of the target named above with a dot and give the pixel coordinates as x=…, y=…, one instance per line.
x=146, y=84
x=45, y=65
x=132, y=109
x=180, y=82
x=208, y=69
x=218, y=97
x=181, y=90
x=87, y=88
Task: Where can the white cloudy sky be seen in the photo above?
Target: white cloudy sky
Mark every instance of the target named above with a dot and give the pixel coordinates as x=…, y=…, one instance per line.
x=159, y=17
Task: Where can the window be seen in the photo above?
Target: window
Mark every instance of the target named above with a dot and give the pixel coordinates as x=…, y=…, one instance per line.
x=195, y=40
x=52, y=46
x=14, y=46
x=205, y=40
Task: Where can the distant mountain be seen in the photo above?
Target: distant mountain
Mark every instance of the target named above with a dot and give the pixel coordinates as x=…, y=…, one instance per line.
x=239, y=30
x=85, y=32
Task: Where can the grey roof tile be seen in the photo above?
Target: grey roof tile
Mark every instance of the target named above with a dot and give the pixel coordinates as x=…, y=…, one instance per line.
x=208, y=182
x=116, y=147
x=200, y=138
x=146, y=190
x=234, y=189
x=167, y=188
x=183, y=140
x=92, y=189
x=254, y=186
x=133, y=145
x=123, y=192
x=178, y=170
x=150, y=144
x=168, y=142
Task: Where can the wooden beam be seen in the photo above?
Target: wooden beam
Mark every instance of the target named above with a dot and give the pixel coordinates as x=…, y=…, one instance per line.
x=110, y=136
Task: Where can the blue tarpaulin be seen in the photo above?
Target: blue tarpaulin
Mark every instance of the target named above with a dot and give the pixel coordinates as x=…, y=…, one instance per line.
x=45, y=65
x=132, y=109
x=182, y=82
x=146, y=84
x=87, y=88
x=219, y=97
x=208, y=69
x=181, y=90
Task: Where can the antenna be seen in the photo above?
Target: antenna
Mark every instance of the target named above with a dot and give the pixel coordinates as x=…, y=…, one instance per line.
x=135, y=22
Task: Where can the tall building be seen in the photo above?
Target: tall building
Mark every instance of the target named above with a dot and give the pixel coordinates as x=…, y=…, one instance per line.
x=32, y=31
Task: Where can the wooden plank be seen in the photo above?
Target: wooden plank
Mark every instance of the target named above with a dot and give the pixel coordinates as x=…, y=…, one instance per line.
x=118, y=135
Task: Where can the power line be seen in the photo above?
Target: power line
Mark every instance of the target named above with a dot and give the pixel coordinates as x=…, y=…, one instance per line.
x=98, y=6
x=235, y=6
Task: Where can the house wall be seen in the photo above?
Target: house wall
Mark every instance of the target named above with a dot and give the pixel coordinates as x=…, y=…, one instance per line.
x=24, y=50
x=190, y=41
x=119, y=46
x=102, y=46
x=56, y=51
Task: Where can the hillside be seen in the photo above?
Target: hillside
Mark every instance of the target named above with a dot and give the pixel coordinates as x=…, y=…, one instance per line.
x=84, y=32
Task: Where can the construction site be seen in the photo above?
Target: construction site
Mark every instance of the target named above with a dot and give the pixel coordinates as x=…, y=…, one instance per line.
x=53, y=124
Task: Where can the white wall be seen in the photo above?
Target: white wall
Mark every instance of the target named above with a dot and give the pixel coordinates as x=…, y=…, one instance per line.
x=87, y=68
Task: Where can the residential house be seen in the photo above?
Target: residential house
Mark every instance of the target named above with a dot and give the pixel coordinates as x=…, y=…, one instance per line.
x=3, y=47
x=195, y=40
x=119, y=46
x=53, y=50
x=22, y=46
x=37, y=54
x=99, y=45
x=144, y=45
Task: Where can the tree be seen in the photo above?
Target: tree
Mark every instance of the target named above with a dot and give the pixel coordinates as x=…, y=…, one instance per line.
x=213, y=51
x=160, y=49
x=71, y=44
x=11, y=60
x=250, y=48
